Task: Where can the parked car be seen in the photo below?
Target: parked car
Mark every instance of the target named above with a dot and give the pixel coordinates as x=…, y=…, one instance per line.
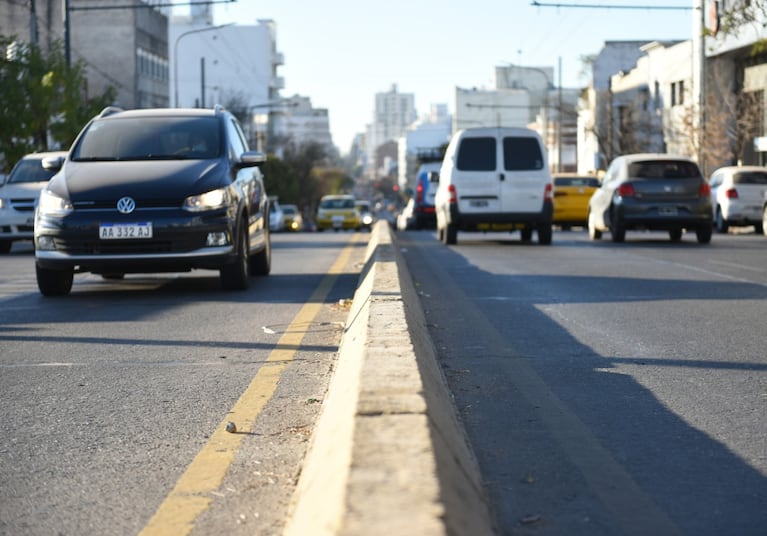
x=737, y=196
x=494, y=179
x=18, y=196
x=276, y=215
x=651, y=192
x=366, y=215
x=571, y=199
x=291, y=218
x=338, y=212
x=427, y=179
x=406, y=218
x=139, y=192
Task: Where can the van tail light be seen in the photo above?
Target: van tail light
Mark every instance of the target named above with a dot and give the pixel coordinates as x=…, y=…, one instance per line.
x=419, y=194
x=732, y=193
x=453, y=195
x=547, y=192
x=626, y=190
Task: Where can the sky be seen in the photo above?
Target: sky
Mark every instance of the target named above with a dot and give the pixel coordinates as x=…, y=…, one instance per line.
x=340, y=53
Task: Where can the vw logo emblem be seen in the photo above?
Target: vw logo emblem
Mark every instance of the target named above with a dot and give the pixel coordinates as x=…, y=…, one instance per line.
x=126, y=205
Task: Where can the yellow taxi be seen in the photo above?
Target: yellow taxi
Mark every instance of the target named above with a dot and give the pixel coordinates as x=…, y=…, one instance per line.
x=571, y=198
x=338, y=212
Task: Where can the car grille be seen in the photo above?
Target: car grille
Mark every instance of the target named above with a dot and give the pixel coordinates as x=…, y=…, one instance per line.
x=26, y=204
x=128, y=247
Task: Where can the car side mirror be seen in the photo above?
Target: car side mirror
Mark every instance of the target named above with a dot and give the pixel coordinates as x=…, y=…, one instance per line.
x=433, y=176
x=53, y=163
x=252, y=158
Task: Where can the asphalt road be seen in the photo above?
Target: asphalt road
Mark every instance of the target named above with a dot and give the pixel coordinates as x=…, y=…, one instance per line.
x=114, y=399
x=606, y=388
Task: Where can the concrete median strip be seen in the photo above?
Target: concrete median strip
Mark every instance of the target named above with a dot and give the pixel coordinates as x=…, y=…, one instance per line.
x=388, y=455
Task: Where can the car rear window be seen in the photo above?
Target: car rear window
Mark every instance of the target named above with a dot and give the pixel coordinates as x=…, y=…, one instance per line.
x=522, y=153
x=477, y=154
x=750, y=177
x=664, y=169
x=150, y=138
x=337, y=203
x=576, y=181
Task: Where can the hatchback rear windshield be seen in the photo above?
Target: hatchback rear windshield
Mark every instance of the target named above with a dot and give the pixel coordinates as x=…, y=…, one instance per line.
x=750, y=177
x=337, y=203
x=150, y=138
x=664, y=169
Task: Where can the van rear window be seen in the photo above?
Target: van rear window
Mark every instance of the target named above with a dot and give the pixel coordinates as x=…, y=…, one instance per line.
x=521, y=154
x=476, y=154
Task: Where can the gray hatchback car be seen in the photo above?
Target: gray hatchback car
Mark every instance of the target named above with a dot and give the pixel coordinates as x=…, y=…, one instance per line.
x=658, y=192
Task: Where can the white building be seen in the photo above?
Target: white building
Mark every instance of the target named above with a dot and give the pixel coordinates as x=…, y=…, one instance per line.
x=301, y=124
x=224, y=65
x=393, y=113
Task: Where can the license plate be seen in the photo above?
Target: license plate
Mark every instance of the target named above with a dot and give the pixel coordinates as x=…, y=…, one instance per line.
x=475, y=203
x=667, y=211
x=338, y=219
x=125, y=231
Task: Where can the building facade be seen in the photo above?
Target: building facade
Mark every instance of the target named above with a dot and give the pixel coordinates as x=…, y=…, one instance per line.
x=392, y=114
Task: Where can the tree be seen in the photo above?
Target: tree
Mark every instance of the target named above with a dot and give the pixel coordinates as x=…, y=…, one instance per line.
x=43, y=99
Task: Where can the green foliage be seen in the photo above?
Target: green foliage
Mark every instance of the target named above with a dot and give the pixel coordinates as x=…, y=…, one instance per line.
x=302, y=177
x=41, y=96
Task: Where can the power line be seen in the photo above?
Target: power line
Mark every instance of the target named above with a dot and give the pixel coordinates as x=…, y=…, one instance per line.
x=610, y=6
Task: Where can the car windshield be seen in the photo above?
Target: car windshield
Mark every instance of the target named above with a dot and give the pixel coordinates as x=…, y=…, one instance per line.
x=288, y=210
x=150, y=138
x=337, y=203
x=664, y=169
x=29, y=170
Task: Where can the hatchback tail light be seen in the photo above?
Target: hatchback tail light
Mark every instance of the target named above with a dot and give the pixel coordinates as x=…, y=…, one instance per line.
x=626, y=190
x=453, y=194
x=419, y=194
x=732, y=193
x=705, y=189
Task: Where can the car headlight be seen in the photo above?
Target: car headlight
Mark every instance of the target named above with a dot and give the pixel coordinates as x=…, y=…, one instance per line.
x=51, y=204
x=207, y=201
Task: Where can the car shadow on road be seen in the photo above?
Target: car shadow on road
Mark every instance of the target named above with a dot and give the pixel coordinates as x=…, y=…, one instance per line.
x=567, y=437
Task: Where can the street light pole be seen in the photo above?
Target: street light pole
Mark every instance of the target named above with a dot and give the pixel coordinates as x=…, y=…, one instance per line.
x=175, y=54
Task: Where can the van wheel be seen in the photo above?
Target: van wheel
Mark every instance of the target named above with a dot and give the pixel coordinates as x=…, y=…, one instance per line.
x=544, y=234
x=527, y=234
x=451, y=234
x=54, y=282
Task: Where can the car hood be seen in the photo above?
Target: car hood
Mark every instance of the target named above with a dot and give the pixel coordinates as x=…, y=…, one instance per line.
x=156, y=179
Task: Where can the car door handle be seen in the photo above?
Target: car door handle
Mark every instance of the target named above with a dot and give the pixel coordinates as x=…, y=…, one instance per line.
x=501, y=176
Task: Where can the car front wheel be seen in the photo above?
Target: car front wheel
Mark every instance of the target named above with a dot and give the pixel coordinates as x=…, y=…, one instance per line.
x=234, y=276
x=261, y=262
x=54, y=282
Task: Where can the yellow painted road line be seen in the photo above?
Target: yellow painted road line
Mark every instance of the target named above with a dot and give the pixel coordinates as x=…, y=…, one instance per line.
x=191, y=495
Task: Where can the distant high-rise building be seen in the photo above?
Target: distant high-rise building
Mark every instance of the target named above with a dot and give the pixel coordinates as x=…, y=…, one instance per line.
x=393, y=113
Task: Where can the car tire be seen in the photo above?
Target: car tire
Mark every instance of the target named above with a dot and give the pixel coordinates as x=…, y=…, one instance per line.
x=721, y=224
x=526, y=234
x=5, y=246
x=544, y=232
x=235, y=275
x=594, y=233
x=261, y=262
x=759, y=228
x=675, y=235
x=451, y=234
x=54, y=282
x=704, y=233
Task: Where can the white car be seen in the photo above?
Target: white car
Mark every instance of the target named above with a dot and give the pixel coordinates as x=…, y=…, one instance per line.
x=276, y=217
x=737, y=196
x=18, y=197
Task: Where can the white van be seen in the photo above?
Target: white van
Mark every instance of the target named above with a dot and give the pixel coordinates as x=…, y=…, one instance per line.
x=494, y=179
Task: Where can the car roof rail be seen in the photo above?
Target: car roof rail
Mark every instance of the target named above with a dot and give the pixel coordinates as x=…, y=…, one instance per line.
x=218, y=109
x=109, y=110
